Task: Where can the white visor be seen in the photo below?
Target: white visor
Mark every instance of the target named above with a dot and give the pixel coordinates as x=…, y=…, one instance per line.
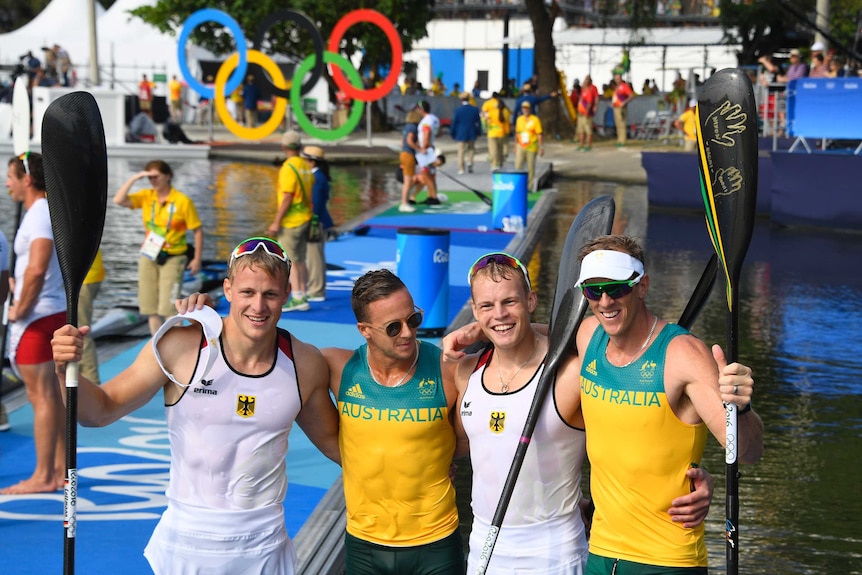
x=211, y=323
x=609, y=264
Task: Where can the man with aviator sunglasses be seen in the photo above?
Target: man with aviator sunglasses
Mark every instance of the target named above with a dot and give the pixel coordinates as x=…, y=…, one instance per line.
x=230, y=405
x=647, y=403
x=397, y=440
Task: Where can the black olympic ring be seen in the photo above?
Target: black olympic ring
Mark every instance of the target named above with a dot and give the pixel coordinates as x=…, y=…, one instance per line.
x=304, y=22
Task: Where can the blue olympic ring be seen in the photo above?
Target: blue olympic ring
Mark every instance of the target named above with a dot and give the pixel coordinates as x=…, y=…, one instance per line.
x=212, y=15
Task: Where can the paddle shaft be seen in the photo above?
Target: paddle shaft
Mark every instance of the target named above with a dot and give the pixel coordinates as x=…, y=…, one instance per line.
x=732, y=442
x=481, y=196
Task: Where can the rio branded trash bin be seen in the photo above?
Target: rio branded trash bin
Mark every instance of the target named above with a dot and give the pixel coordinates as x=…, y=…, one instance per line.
x=509, y=195
x=423, y=265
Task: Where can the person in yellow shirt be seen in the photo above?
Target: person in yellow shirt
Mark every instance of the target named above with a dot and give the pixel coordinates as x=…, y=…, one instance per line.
x=165, y=254
x=89, y=366
x=293, y=217
x=528, y=136
x=496, y=119
x=687, y=123
x=175, y=91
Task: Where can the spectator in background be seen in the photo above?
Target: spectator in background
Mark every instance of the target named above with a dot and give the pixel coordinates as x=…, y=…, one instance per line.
x=818, y=66
x=4, y=295
x=250, y=98
x=50, y=67
x=293, y=217
x=575, y=94
x=529, y=95
x=438, y=88
x=588, y=105
x=477, y=91
x=836, y=67
x=687, y=124
x=142, y=129
x=498, y=120
x=38, y=308
x=321, y=220
x=528, y=142
x=64, y=65
x=796, y=68
x=623, y=94
x=145, y=96
x=456, y=90
x=89, y=366
x=646, y=90
x=466, y=127
x=407, y=157
x=175, y=91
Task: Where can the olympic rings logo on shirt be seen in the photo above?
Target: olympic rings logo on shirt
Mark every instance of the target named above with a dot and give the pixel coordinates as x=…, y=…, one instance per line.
x=232, y=71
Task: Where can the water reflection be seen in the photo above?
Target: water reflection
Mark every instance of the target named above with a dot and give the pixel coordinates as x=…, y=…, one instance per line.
x=234, y=200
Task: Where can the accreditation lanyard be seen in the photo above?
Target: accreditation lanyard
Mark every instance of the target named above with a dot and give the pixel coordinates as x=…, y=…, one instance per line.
x=171, y=210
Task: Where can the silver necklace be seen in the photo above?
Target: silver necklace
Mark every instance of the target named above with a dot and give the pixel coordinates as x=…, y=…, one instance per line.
x=643, y=347
x=504, y=385
x=406, y=373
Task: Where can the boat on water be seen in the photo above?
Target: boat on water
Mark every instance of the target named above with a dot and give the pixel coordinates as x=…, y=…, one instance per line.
x=121, y=320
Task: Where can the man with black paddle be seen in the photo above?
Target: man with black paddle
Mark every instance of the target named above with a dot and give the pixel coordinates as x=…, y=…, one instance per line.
x=650, y=391
x=543, y=529
x=233, y=388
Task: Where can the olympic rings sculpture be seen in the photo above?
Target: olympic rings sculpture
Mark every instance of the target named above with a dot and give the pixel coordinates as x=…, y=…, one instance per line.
x=232, y=71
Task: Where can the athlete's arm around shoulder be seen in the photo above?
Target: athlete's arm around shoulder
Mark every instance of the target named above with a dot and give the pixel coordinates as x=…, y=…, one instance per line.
x=459, y=372
x=134, y=386
x=698, y=381
x=318, y=417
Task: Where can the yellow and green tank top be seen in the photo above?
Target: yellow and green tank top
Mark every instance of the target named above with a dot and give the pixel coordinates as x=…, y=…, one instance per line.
x=639, y=452
x=396, y=448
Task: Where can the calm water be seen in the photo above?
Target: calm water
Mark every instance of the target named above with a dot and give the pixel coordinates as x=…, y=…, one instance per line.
x=801, y=504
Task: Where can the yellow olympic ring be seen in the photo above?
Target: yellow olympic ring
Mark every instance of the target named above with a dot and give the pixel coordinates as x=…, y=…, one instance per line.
x=278, y=112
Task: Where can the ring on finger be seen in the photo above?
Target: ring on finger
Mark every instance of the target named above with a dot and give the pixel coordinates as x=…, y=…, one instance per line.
x=735, y=390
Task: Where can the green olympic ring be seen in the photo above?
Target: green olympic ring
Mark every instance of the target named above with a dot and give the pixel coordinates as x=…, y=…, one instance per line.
x=296, y=103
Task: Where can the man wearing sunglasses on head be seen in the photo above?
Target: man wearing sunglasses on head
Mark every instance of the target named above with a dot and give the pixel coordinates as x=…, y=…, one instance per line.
x=646, y=392
x=232, y=388
x=397, y=440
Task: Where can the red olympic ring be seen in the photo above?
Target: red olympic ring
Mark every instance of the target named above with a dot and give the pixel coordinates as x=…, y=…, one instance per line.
x=382, y=22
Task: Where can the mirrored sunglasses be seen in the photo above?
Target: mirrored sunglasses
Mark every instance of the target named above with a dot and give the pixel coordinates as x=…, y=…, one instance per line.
x=499, y=258
x=614, y=289
x=393, y=328
x=251, y=245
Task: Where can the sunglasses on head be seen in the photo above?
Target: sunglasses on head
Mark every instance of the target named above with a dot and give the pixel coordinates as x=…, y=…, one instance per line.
x=502, y=259
x=251, y=245
x=614, y=289
x=23, y=157
x=393, y=328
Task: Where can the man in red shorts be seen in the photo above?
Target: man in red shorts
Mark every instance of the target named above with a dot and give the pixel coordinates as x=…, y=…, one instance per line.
x=38, y=308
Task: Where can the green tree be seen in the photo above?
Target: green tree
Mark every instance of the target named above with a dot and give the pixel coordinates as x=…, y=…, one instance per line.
x=542, y=17
x=410, y=18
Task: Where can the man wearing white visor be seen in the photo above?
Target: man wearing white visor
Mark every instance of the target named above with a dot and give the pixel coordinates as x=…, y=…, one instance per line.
x=649, y=392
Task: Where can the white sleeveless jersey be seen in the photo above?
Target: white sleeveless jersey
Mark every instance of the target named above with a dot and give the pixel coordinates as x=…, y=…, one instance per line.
x=229, y=435
x=549, y=484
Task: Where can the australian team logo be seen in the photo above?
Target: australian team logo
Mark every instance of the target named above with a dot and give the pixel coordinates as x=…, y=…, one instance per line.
x=497, y=423
x=245, y=405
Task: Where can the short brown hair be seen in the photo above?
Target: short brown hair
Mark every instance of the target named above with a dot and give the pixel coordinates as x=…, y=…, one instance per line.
x=34, y=168
x=160, y=166
x=371, y=287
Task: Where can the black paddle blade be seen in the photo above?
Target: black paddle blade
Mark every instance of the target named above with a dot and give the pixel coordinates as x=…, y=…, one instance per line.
x=700, y=294
x=595, y=219
x=76, y=180
x=727, y=144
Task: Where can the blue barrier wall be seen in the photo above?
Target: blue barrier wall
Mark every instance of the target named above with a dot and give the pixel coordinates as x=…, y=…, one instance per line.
x=828, y=108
